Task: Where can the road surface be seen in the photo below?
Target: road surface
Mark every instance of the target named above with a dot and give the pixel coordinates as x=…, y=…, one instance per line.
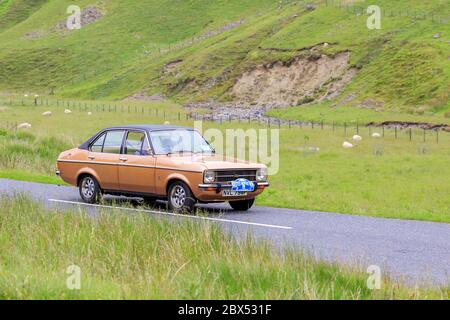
x=414, y=251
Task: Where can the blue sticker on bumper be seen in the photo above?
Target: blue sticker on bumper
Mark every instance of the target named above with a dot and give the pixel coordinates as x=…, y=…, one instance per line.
x=242, y=185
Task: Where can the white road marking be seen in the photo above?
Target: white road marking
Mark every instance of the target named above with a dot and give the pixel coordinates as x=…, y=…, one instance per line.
x=173, y=214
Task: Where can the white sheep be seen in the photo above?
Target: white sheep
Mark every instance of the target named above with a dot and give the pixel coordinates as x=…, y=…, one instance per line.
x=166, y=123
x=89, y=113
x=357, y=138
x=67, y=111
x=347, y=145
x=24, y=125
x=47, y=114
x=376, y=135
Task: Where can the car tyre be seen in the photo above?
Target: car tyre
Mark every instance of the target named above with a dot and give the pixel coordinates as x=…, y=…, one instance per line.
x=242, y=205
x=90, y=190
x=180, y=198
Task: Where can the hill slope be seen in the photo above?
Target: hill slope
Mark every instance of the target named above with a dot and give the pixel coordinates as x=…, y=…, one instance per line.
x=226, y=50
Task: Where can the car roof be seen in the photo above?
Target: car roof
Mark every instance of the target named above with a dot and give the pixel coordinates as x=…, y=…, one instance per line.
x=149, y=127
x=145, y=127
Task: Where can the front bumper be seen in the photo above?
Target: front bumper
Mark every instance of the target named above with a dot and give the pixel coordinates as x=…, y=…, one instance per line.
x=220, y=186
x=212, y=192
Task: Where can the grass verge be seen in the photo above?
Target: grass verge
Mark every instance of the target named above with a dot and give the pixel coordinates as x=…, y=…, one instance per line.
x=386, y=177
x=139, y=257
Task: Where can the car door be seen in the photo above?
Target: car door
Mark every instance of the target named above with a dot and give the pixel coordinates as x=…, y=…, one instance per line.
x=137, y=164
x=103, y=157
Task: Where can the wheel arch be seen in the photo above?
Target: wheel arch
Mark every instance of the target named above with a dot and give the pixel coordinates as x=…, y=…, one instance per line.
x=87, y=172
x=175, y=178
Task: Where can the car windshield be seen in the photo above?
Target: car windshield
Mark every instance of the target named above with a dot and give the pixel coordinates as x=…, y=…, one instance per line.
x=177, y=141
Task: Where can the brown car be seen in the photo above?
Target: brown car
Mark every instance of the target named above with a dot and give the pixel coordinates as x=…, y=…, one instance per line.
x=160, y=162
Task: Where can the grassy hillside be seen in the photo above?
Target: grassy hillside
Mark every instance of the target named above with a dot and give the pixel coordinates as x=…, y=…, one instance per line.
x=402, y=66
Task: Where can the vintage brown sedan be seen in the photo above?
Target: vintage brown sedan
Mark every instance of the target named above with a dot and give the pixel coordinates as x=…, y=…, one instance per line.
x=160, y=162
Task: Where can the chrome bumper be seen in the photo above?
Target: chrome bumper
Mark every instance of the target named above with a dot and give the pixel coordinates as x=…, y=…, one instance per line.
x=228, y=185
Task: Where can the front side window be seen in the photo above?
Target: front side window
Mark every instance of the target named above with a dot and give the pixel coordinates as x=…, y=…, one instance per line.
x=177, y=141
x=134, y=144
x=113, y=142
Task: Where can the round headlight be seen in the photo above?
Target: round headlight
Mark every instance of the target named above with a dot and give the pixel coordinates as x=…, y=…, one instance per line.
x=261, y=174
x=209, y=176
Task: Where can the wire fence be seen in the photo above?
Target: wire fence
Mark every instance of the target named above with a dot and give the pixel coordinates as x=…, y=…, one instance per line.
x=419, y=132
x=358, y=8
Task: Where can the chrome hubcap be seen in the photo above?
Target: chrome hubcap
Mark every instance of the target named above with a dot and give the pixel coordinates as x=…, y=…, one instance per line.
x=178, y=197
x=88, y=187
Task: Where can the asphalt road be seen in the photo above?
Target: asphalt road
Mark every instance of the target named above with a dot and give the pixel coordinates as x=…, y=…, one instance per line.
x=416, y=252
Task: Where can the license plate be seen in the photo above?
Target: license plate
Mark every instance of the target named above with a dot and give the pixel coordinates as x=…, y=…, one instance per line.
x=231, y=193
x=242, y=185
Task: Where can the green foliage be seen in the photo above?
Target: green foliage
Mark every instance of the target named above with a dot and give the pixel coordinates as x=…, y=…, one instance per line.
x=137, y=256
x=401, y=64
x=15, y=11
x=401, y=178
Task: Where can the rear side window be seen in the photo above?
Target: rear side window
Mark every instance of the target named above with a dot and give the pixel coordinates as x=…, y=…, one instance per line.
x=97, y=146
x=134, y=143
x=113, y=142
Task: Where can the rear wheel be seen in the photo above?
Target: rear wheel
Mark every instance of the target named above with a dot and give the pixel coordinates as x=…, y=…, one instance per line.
x=180, y=197
x=90, y=190
x=242, y=205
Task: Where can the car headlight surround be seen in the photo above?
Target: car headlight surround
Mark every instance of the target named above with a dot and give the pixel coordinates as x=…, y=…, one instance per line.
x=209, y=176
x=261, y=174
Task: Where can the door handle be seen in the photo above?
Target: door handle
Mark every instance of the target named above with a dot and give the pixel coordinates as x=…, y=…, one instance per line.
x=91, y=157
x=123, y=159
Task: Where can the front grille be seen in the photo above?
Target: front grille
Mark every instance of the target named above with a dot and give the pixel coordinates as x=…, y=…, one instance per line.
x=231, y=175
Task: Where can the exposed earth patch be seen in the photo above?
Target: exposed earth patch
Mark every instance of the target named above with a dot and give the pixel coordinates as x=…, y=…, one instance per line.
x=297, y=82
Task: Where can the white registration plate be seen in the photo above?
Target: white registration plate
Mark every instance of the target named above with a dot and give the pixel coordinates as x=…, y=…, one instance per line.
x=231, y=193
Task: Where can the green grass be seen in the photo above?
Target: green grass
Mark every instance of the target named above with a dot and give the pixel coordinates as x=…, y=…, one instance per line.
x=400, y=65
x=329, y=112
x=141, y=257
x=23, y=175
x=387, y=177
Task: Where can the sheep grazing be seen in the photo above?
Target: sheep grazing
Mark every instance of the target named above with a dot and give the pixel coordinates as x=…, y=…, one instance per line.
x=357, y=138
x=47, y=114
x=376, y=135
x=166, y=123
x=89, y=113
x=347, y=145
x=24, y=125
x=67, y=111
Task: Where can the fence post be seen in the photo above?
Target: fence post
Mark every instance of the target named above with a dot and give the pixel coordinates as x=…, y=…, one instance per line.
x=410, y=134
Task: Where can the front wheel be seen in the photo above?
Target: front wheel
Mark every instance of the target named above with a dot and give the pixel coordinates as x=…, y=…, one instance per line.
x=180, y=197
x=242, y=205
x=90, y=190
